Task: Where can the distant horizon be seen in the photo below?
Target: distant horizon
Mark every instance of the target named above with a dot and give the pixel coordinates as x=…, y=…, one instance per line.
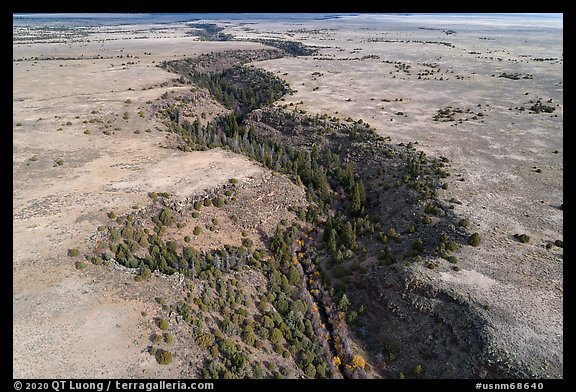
x=117, y=19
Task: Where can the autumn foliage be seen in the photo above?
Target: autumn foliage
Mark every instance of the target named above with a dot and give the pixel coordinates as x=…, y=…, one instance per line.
x=358, y=362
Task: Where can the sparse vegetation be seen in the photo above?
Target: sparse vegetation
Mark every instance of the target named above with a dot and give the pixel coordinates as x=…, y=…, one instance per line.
x=474, y=239
x=80, y=265
x=337, y=173
x=163, y=357
x=168, y=338
x=73, y=252
x=523, y=238
x=163, y=324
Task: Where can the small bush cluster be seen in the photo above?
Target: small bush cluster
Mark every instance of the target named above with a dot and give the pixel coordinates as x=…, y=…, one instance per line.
x=474, y=239
x=80, y=265
x=523, y=238
x=73, y=252
x=163, y=357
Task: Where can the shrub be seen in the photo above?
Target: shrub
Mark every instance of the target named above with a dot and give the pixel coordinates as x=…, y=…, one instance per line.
x=432, y=265
x=87, y=132
x=168, y=338
x=180, y=225
x=197, y=230
x=249, y=338
x=352, y=317
x=143, y=242
x=418, y=370
x=474, y=239
x=219, y=202
x=166, y=217
x=452, y=246
x=443, y=237
x=276, y=336
x=214, y=351
x=187, y=238
x=233, y=180
x=73, y=252
x=198, y=205
x=426, y=219
x=523, y=238
x=464, y=223
x=127, y=232
x=417, y=245
x=60, y=162
x=80, y=265
x=247, y=242
x=310, y=371
x=207, y=203
x=559, y=243
x=111, y=215
x=344, y=303
x=163, y=324
x=163, y=357
x=358, y=362
x=195, y=214
x=452, y=259
x=152, y=195
x=145, y=274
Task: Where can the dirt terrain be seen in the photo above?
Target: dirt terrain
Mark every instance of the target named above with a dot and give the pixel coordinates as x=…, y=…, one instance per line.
x=86, y=324
x=86, y=142
x=494, y=159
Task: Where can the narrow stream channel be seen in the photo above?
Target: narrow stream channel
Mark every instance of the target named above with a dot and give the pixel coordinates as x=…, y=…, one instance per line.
x=309, y=273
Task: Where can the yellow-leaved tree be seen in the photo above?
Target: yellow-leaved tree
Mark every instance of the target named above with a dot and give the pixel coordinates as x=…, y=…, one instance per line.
x=358, y=362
